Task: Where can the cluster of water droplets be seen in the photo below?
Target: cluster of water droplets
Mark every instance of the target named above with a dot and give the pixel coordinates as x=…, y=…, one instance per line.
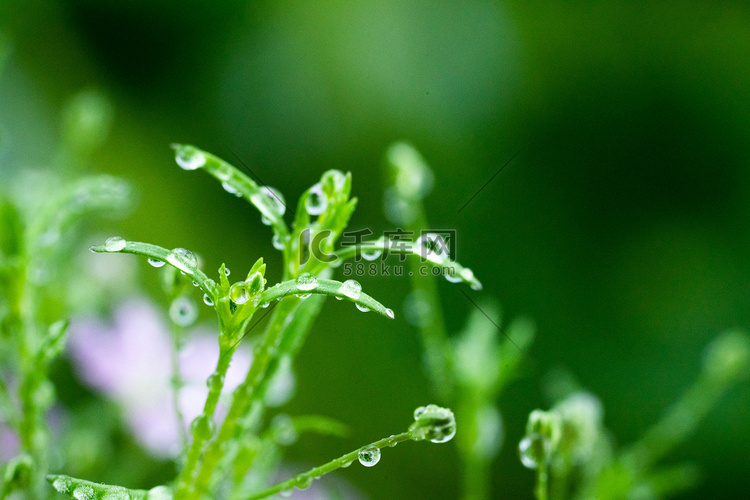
x=188, y=157
x=316, y=201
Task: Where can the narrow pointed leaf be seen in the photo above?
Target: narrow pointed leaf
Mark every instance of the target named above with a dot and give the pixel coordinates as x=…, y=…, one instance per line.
x=450, y=267
x=162, y=254
x=324, y=287
x=236, y=182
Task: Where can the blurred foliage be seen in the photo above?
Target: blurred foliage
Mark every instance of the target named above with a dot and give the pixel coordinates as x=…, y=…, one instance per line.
x=621, y=227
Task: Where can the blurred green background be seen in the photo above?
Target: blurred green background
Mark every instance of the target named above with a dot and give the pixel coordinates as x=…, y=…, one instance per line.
x=620, y=227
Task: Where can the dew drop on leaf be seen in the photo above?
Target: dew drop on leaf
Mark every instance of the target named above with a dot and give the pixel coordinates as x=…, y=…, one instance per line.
x=208, y=300
x=528, y=450
x=114, y=244
x=362, y=308
x=62, y=484
x=183, y=259
x=370, y=254
x=188, y=158
x=306, y=281
x=369, y=456
x=239, y=293
x=116, y=494
x=156, y=262
x=317, y=201
x=84, y=492
x=351, y=289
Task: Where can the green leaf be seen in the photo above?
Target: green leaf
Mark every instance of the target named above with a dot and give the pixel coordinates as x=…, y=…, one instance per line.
x=451, y=269
x=268, y=201
x=179, y=258
x=324, y=287
x=81, y=489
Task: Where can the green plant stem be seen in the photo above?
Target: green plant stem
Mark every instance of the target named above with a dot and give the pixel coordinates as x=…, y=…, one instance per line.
x=243, y=397
x=177, y=383
x=331, y=466
x=199, y=439
x=434, y=335
x=542, y=482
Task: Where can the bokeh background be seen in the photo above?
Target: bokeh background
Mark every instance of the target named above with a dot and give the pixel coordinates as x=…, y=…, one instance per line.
x=620, y=227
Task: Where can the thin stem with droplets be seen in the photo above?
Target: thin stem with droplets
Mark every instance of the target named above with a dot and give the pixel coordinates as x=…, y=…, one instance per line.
x=304, y=479
x=201, y=433
x=243, y=396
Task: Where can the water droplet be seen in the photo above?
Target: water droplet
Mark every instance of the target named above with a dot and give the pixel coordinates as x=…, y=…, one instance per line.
x=227, y=272
x=303, y=481
x=345, y=464
x=451, y=275
x=317, y=201
x=156, y=262
x=183, y=312
x=392, y=442
x=277, y=243
x=203, y=425
x=306, y=281
x=390, y=314
x=370, y=254
x=116, y=493
x=273, y=199
x=114, y=244
x=286, y=493
x=239, y=293
x=215, y=382
x=369, y=456
x=195, y=283
x=84, y=492
x=433, y=247
x=208, y=300
x=362, y=308
x=305, y=296
x=265, y=305
x=62, y=484
x=183, y=259
x=433, y=423
x=265, y=220
x=531, y=450
x=188, y=157
x=351, y=289
x=231, y=189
